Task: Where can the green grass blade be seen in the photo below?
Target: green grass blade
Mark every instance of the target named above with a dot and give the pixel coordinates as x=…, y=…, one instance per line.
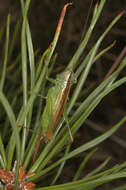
x=106, y=179
x=106, y=172
x=24, y=79
x=102, y=52
x=32, y=81
x=6, y=54
x=32, y=145
x=24, y=71
x=85, y=186
x=82, y=46
x=83, y=164
x=14, y=38
x=10, y=151
x=41, y=62
x=3, y=154
x=6, y=125
x=14, y=64
x=61, y=167
x=86, y=60
x=99, y=168
x=31, y=56
x=57, y=33
x=12, y=119
x=2, y=164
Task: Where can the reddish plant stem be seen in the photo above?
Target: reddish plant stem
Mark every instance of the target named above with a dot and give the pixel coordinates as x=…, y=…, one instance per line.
x=117, y=62
x=62, y=16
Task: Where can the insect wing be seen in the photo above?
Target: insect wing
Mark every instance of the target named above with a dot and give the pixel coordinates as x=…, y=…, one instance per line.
x=62, y=98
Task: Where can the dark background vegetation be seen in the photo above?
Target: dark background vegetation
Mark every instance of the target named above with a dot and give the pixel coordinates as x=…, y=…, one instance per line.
x=43, y=16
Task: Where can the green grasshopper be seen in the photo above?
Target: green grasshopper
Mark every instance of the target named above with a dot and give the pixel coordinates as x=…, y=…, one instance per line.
x=55, y=103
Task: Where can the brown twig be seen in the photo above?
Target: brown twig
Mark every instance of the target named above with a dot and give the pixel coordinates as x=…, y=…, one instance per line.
x=117, y=62
x=62, y=16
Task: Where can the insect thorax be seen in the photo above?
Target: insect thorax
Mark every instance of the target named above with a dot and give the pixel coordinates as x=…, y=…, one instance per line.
x=65, y=77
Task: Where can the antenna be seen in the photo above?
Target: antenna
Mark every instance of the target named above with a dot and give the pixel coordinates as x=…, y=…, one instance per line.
x=85, y=24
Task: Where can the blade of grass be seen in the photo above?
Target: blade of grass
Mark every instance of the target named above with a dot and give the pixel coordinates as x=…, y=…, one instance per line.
x=106, y=172
x=82, y=46
x=61, y=166
x=12, y=119
x=102, y=52
x=3, y=154
x=83, y=164
x=99, y=168
x=2, y=164
x=31, y=56
x=86, y=60
x=41, y=62
x=6, y=54
x=85, y=186
x=57, y=33
x=32, y=81
x=122, y=54
x=14, y=38
x=24, y=72
x=14, y=63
